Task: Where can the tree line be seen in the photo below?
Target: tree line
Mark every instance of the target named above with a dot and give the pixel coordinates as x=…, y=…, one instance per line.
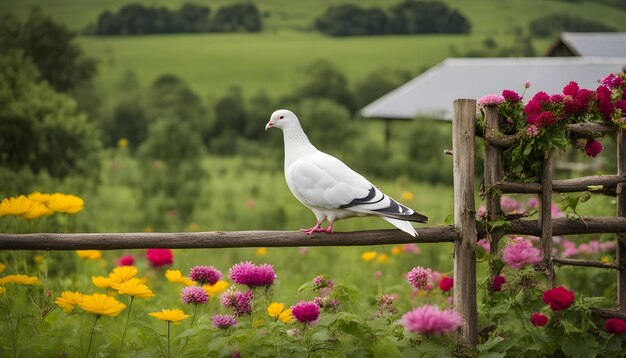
x=409, y=17
x=137, y=19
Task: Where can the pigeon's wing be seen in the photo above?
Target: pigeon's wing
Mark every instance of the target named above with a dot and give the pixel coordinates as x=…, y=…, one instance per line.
x=323, y=181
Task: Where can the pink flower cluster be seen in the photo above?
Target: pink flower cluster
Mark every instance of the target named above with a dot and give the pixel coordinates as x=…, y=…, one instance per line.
x=159, y=257
x=429, y=319
x=205, y=275
x=419, y=277
x=593, y=148
x=305, y=311
x=248, y=274
x=491, y=99
x=520, y=253
x=194, y=295
x=570, y=249
x=127, y=260
x=223, y=321
x=239, y=302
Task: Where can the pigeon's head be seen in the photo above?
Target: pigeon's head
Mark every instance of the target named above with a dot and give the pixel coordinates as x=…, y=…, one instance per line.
x=282, y=119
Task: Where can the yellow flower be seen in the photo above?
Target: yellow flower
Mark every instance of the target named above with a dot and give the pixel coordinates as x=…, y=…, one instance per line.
x=36, y=211
x=68, y=300
x=102, y=282
x=62, y=203
x=2, y=267
x=216, y=289
x=170, y=315
x=39, y=197
x=285, y=316
x=15, y=206
x=89, y=254
x=3, y=290
x=122, y=143
x=396, y=250
x=604, y=259
x=407, y=195
x=148, y=229
x=19, y=279
x=261, y=251
x=134, y=288
x=275, y=308
x=122, y=273
x=100, y=304
x=382, y=258
x=369, y=255
x=177, y=277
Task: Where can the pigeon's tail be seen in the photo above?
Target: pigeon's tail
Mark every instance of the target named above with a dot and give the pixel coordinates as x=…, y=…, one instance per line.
x=402, y=225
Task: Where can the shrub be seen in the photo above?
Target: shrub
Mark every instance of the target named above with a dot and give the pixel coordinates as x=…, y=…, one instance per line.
x=554, y=24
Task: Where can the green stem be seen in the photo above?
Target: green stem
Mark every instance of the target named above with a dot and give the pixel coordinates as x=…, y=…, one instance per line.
x=12, y=333
x=130, y=306
x=45, y=276
x=193, y=319
x=93, y=329
x=168, y=339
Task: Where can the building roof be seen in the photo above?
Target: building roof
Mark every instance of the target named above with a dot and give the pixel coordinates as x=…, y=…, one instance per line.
x=605, y=44
x=432, y=93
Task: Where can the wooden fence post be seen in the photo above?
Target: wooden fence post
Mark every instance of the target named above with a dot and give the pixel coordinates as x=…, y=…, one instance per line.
x=621, y=211
x=463, y=131
x=493, y=174
x=545, y=219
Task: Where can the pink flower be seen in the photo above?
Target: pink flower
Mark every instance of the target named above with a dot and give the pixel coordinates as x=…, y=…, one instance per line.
x=127, y=260
x=533, y=203
x=615, y=326
x=556, y=212
x=520, y=253
x=511, y=96
x=532, y=131
x=484, y=244
x=496, y=284
x=248, y=274
x=305, y=311
x=239, y=302
x=322, y=281
x=571, y=89
x=508, y=204
x=204, y=275
x=526, y=84
x=160, y=257
x=546, y=119
x=418, y=277
x=446, y=283
x=605, y=103
x=558, y=298
x=481, y=213
x=593, y=148
x=491, y=99
x=194, y=295
x=223, y=321
x=428, y=319
x=411, y=248
x=611, y=81
x=538, y=319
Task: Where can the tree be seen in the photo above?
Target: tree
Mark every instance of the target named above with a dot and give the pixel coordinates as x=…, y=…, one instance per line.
x=51, y=47
x=378, y=83
x=352, y=20
x=40, y=129
x=427, y=17
x=237, y=18
x=230, y=122
x=129, y=120
x=554, y=24
x=327, y=124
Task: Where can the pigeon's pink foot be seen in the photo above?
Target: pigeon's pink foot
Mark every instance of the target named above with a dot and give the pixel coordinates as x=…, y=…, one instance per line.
x=329, y=229
x=316, y=228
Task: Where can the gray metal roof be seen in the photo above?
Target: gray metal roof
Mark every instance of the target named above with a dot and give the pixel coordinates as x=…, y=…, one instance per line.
x=431, y=93
x=605, y=44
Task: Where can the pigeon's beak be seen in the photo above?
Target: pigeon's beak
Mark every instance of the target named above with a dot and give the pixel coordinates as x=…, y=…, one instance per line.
x=269, y=125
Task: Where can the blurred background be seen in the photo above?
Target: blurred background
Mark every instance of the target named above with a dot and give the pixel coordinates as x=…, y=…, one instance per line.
x=153, y=111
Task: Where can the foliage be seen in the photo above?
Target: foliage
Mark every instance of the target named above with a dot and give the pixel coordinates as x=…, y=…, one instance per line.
x=244, y=17
x=51, y=48
x=427, y=17
x=378, y=83
x=352, y=20
x=552, y=25
x=41, y=129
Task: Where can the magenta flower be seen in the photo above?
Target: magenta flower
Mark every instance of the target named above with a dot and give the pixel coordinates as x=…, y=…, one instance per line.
x=521, y=253
x=248, y=274
x=322, y=281
x=159, y=257
x=239, y=302
x=419, y=277
x=558, y=298
x=223, y=321
x=593, y=148
x=538, y=319
x=446, y=283
x=429, y=319
x=484, y=244
x=127, y=260
x=611, y=81
x=511, y=96
x=615, y=326
x=305, y=312
x=491, y=99
x=496, y=284
x=205, y=275
x=194, y=295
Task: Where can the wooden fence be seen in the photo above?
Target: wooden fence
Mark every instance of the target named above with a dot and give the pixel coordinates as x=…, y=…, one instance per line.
x=464, y=233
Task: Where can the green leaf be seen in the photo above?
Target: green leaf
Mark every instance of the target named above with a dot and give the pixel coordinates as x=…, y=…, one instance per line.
x=577, y=346
x=489, y=344
x=569, y=327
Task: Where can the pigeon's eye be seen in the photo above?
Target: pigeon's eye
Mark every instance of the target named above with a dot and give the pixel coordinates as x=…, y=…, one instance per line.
x=281, y=117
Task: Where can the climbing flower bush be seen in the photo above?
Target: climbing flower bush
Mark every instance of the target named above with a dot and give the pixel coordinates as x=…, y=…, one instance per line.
x=539, y=126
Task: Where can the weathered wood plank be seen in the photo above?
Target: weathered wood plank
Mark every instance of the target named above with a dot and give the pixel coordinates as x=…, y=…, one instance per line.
x=564, y=226
x=579, y=262
x=621, y=212
x=219, y=239
x=577, y=130
x=608, y=182
x=463, y=130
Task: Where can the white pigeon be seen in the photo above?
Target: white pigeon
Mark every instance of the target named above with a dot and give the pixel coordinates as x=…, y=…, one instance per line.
x=330, y=188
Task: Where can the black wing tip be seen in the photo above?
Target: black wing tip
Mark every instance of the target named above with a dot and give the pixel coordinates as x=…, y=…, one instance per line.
x=418, y=218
